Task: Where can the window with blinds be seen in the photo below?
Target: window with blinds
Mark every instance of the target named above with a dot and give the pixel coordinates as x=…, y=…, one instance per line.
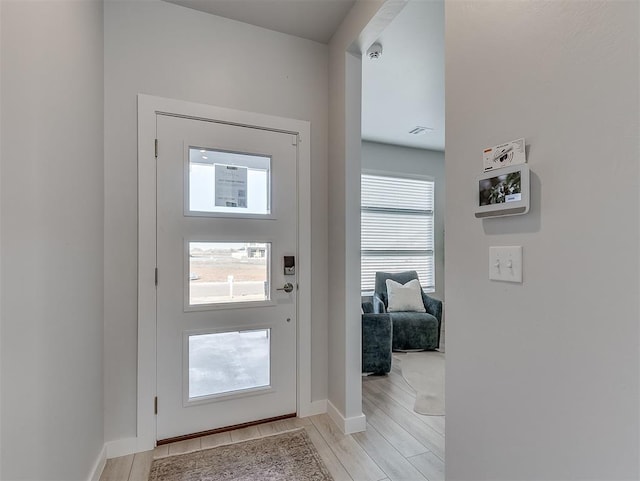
x=397, y=228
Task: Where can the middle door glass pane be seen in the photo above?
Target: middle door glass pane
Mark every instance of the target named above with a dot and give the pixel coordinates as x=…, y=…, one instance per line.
x=228, y=272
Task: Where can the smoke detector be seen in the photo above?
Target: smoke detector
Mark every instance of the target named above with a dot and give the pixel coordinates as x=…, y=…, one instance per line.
x=375, y=51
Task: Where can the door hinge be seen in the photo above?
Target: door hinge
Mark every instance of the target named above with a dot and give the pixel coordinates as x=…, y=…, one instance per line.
x=155, y=405
x=156, y=277
x=295, y=139
x=156, y=148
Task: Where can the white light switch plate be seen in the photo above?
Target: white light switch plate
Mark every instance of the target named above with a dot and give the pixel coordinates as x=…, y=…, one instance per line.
x=505, y=263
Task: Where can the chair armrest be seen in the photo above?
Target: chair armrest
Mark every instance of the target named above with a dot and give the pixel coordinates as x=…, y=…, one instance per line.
x=433, y=306
x=379, y=322
x=377, y=335
x=378, y=305
x=367, y=307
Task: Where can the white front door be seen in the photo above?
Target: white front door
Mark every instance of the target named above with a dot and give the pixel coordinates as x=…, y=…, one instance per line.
x=226, y=301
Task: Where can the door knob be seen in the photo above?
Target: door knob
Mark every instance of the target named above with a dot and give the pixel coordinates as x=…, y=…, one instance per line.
x=288, y=287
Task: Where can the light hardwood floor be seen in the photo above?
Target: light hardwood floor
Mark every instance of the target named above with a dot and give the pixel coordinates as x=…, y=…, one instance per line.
x=398, y=444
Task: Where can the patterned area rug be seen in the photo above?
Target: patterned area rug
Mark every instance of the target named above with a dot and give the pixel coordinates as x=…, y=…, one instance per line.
x=287, y=456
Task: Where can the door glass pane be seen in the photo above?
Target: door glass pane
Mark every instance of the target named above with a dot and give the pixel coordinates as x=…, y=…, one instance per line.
x=228, y=361
x=228, y=182
x=222, y=272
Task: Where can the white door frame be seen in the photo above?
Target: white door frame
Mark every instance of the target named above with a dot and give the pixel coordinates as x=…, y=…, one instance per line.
x=148, y=107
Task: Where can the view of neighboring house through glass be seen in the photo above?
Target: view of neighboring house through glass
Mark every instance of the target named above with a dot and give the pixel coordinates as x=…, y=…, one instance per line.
x=397, y=228
x=223, y=272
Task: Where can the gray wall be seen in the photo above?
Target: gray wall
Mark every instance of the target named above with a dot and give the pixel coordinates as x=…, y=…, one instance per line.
x=542, y=377
x=393, y=159
x=51, y=223
x=166, y=50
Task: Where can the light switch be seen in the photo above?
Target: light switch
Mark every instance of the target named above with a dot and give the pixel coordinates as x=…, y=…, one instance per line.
x=505, y=263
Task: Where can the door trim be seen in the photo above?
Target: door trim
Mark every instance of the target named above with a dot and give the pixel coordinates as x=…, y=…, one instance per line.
x=148, y=108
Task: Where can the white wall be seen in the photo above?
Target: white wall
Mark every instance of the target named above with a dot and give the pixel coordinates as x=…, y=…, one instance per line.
x=51, y=221
x=166, y=50
x=542, y=377
x=345, y=72
x=360, y=28
x=394, y=159
x=1, y=144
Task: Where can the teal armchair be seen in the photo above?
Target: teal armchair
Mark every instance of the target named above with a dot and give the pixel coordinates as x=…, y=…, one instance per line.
x=411, y=330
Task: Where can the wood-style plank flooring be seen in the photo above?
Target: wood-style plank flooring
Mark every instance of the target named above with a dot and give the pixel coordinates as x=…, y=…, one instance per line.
x=398, y=444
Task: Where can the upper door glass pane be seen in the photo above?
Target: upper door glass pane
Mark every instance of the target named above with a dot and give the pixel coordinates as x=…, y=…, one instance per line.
x=228, y=182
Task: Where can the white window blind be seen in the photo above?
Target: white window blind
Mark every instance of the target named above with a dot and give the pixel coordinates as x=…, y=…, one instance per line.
x=397, y=228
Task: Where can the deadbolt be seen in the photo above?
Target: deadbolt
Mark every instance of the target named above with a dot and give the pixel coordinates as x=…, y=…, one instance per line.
x=288, y=287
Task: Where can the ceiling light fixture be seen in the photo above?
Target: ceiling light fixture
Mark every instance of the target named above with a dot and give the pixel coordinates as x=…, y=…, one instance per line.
x=420, y=130
x=375, y=51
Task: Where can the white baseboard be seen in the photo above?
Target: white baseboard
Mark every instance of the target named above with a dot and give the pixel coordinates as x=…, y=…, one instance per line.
x=121, y=447
x=99, y=465
x=315, y=407
x=354, y=424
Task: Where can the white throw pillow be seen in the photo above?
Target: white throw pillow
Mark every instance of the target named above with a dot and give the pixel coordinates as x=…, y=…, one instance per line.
x=404, y=298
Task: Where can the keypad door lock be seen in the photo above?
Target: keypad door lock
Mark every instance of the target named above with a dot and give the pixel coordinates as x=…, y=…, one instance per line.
x=288, y=287
x=289, y=265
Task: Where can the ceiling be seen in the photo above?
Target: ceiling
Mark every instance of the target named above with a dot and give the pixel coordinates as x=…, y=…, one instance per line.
x=401, y=90
x=312, y=19
x=404, y=88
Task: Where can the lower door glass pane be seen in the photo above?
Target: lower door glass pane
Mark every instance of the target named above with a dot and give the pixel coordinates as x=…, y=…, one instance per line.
x=227, y=362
